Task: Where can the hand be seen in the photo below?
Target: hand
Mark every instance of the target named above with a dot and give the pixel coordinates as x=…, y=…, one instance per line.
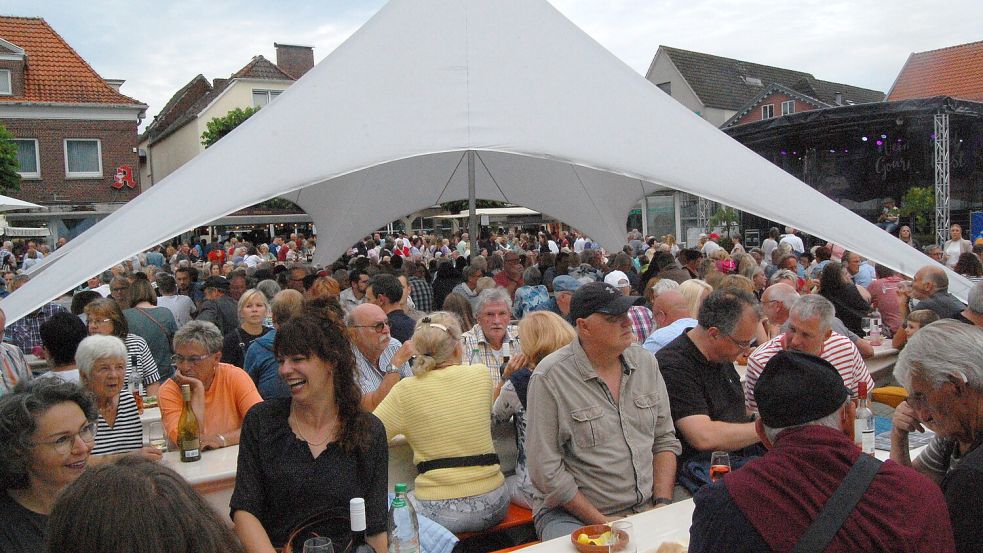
x=404, y=353
x=608, y=519
x=905, y=420
x=150, y=453
x=210, y=442
x=197, y=386
x=515, y=363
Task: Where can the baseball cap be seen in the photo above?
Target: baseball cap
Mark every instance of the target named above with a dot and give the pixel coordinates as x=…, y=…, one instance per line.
x=600, y=297
x=795, y=388
x=617, y=279
x=566, y=283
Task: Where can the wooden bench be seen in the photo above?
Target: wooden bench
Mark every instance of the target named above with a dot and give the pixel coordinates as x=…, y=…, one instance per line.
x=517, y=516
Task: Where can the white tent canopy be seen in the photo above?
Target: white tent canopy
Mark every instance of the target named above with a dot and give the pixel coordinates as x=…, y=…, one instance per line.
x=380, y=127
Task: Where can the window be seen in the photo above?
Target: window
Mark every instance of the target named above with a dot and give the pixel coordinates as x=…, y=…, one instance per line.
x=6, y=88
x=788, y=107
x=263, y=97
x=83, y=158
x=666, y=87
x=767, y=111
x=27, y=158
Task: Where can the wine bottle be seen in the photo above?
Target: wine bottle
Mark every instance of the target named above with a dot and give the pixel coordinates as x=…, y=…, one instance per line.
x=506, y=355
x=357, y=544
x=403, y=527
x=136, y=384
x=188, y=432
x=863, y=430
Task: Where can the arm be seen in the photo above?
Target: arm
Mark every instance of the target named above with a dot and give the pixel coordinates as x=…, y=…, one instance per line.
x=371, y=400
x=583, y=509
x=904, y=421
x=251, y=533
x=148, y=452
x=663, y=474
x=864, y=347
x=709, y=435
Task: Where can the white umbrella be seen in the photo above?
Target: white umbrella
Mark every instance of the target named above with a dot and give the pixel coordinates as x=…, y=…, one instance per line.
x=9, y=204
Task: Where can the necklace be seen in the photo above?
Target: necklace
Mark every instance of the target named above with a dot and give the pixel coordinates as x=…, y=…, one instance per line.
x=296, y=429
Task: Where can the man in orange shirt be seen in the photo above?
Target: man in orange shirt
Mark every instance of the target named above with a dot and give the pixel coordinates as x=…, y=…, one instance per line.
x=221, y=394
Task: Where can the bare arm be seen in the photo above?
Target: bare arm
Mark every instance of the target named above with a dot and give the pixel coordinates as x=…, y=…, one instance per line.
x=251, y=533
x=379, y=542
x=372, y=399
x=904, y=421
x=663, y=474
x=864, y=347
x=709, y=435
x=582, y=508
x=152, y=389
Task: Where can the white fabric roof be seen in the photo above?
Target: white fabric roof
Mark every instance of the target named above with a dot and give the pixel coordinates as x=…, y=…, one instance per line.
x=379, y=128
x=8, y=204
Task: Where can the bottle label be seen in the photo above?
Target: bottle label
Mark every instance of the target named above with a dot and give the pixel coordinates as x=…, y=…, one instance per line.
x=867, y=444
x=190, y=453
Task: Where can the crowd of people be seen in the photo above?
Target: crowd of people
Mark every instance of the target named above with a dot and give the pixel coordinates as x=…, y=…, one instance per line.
x=617, y=370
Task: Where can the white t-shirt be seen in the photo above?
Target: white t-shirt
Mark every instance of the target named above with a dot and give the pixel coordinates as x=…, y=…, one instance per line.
x=180, y=305
x=710, y=247
x=68, y=376
x=794, y=241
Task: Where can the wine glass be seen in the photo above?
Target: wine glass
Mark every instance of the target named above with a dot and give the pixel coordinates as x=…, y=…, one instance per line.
x=155, y=436
x=719, y=465
x=318, y=545
x=867, y=323
x=622, y=537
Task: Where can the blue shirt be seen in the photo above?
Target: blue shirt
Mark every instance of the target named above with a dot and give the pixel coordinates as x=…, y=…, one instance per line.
x=262, y=366
x=660, y=338
x=865, y=275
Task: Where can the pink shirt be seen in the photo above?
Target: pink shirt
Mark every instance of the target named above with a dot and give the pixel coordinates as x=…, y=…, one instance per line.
x=884, y=296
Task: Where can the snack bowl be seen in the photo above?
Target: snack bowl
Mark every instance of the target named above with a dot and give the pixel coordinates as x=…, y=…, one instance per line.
x=592, y=531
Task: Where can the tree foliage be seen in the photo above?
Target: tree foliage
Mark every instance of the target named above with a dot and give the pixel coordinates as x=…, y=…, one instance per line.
x=919, y=203
x=461, y=205
x=9, y=177
x=221, y=126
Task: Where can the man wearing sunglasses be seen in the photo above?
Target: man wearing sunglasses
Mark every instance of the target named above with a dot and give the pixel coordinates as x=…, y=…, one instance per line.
x=381, y=359
x=705, y=393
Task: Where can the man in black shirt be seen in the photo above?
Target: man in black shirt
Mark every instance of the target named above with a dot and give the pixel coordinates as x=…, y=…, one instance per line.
x=705, y=394
x=386, y=291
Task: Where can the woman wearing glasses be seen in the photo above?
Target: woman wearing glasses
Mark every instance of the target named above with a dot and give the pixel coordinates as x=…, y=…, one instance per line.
x=105, y=318
x=220, y=393
x=444, y=412
x=101, y=362
x=47, y=428
x=311, y=453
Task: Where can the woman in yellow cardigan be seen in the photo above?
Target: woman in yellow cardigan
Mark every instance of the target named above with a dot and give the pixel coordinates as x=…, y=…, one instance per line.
x=445, y=413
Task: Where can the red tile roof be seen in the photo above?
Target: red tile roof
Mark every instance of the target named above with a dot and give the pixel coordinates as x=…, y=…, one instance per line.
x=55, y=72
x=955, y=71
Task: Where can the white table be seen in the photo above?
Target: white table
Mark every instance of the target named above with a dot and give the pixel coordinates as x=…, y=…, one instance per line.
x=882, y=362
x=214, y=476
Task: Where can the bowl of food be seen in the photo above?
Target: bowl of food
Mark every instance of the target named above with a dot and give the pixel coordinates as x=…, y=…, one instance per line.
x=597, y=538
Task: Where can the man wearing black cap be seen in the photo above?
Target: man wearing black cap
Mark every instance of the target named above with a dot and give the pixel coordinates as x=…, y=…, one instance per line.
x=807, y=422
x=704, y=389
x=218, y=308
x=600, y=442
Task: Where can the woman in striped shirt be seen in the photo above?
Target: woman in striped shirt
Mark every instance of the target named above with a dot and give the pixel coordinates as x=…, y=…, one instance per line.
x=101, y=361
x=106, y=318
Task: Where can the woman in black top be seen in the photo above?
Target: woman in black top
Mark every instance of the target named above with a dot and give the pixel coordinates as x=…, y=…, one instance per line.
x=47, y=429
x=313, y=452
x=850, y=306
x=253, y=308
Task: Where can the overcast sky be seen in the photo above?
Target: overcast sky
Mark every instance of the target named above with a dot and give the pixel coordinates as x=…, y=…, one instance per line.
x=157, y=47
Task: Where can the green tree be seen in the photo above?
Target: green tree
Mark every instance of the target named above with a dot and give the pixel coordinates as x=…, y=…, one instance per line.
x=9, y=177
x=221, y=126
x=919, y=204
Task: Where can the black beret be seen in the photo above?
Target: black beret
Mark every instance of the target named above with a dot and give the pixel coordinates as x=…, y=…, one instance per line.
x=795, y=388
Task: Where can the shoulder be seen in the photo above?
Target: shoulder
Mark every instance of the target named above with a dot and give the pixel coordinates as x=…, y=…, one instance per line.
x=558, y=361
x=265, y=412
x=766, y=351
x=134, y=340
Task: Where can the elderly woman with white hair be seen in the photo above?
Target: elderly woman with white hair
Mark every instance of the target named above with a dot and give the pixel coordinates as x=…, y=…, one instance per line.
x=101, y=362
x=941, y=367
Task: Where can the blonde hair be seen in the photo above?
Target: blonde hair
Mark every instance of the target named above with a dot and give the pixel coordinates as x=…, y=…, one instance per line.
x=485, y=283
x=250, y=294
x=738, y=281
x=694, y=291
x=541, y=333
x=435, y=339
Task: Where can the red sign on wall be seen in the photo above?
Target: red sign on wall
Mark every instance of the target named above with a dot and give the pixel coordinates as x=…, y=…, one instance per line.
x=124, y=176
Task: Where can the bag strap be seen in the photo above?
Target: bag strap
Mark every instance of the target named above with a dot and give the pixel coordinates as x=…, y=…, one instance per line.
x=155, y=321
x=839, y=506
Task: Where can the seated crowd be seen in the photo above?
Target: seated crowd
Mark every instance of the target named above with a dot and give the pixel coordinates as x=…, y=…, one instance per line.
x=621, y=375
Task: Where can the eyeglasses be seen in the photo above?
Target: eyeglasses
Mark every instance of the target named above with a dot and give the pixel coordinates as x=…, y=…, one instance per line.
x=193, y=359
x=120, y=289
x=378, y=327
x=63, y=445
x=744, y=346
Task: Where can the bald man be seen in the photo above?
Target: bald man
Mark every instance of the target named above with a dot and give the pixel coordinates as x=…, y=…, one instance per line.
x=931, y=289
x=672, y=316
x=381, y=359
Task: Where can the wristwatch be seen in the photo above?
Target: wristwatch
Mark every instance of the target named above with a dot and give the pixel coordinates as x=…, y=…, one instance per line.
x=390, y=369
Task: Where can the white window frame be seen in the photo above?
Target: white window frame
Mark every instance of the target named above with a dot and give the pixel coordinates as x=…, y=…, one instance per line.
x=767, y=111
x=271, y=94
x=790, y=105
x=83, y=174
x=5, y=75
x=37, y=159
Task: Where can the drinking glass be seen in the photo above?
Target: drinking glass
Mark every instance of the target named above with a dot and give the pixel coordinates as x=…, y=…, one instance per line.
x=867, y=323
x=155, y=436
x=318, y=545
x=622, y=537
x=719, y=465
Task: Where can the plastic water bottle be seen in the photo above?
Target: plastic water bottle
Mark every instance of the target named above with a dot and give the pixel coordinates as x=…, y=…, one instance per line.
x=404, y=529
x=875, y=328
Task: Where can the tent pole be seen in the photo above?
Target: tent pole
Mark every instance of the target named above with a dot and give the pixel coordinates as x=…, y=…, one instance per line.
x=472, y=206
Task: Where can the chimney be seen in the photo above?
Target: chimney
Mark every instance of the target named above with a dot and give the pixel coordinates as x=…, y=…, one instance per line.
x=115, y=83
x=294, y=60
x=839, y=98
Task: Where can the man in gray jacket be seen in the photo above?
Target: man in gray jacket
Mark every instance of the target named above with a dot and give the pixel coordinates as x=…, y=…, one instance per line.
x=600, y=442
x=218, y=308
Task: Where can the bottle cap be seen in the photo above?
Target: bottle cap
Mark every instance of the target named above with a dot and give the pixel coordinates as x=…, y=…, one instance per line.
x=400, y=488
x=186, y=391
x=356, y=510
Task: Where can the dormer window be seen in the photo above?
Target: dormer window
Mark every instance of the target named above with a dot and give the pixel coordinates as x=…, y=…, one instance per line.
x=6, y=87
x=752, y=81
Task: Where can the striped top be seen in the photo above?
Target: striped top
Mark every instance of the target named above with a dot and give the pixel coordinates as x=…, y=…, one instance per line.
x=13, y=367
x=126, y=434
x=837, y=349
x=138, y=356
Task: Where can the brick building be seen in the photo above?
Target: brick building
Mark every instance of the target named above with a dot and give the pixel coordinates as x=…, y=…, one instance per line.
x=76, y=134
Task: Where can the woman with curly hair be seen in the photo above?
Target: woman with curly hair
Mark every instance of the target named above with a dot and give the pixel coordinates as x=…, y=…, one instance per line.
x=314, y=451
